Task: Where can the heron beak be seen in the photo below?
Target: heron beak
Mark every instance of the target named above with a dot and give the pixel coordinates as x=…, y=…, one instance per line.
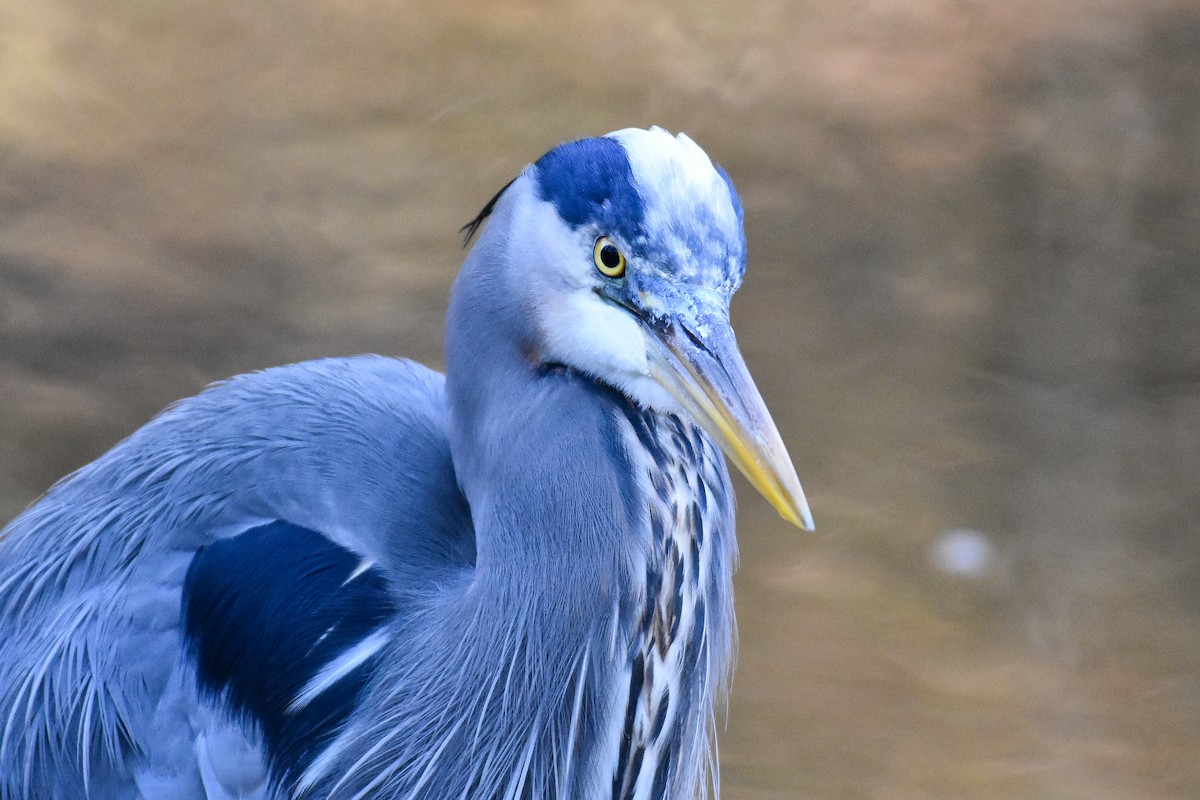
x=708, y=377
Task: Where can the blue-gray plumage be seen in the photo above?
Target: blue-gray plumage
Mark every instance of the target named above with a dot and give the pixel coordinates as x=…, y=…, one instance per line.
x=353, y=578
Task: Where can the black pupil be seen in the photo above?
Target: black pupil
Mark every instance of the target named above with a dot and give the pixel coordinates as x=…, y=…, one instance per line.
x=610, y=256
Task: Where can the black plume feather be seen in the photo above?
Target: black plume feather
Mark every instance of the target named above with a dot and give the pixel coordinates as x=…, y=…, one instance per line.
x=474, y=225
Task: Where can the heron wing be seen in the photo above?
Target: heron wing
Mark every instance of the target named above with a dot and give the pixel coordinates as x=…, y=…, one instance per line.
x=200, y=601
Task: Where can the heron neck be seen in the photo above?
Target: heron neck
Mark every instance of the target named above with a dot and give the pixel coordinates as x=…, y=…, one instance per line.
x=534, y=444
x=542, y=467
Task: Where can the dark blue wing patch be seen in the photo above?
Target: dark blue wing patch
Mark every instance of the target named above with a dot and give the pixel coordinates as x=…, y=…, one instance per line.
x=267, y=611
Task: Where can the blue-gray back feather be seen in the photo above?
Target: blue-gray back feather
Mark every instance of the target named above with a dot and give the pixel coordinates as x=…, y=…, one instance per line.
x=91, y=576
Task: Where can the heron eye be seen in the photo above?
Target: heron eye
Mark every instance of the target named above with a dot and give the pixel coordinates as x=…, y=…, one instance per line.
x=608, y=258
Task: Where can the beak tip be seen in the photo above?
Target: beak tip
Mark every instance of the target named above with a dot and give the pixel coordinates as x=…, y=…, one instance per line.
x=791, y=501
x=801, y=517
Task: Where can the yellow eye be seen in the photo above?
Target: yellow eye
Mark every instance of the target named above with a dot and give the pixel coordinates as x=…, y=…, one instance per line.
x=608, y=258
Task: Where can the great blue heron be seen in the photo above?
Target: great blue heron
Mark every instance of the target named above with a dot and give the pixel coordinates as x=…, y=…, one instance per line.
x=353, y=578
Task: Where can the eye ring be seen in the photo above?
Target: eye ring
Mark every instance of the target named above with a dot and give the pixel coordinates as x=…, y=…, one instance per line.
x=608, y=259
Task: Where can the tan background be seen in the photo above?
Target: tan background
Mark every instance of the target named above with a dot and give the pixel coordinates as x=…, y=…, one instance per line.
x=973, y=300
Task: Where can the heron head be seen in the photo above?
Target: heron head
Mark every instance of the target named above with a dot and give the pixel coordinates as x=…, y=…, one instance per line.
x=631, y=247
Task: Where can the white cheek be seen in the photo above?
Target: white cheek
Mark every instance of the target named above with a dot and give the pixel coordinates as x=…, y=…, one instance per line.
x=580, y=329
x=584, y=332
x=575, y=327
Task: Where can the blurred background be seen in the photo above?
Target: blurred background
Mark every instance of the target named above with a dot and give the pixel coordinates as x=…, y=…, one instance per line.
x=973, y=304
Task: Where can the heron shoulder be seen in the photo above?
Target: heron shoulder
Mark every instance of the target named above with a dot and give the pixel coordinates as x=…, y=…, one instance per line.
x=331, y=462
x=354, y=447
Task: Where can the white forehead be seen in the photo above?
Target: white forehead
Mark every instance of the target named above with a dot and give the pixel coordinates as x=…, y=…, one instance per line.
x=670, y=169
x=689, y=210
x=655, y=147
